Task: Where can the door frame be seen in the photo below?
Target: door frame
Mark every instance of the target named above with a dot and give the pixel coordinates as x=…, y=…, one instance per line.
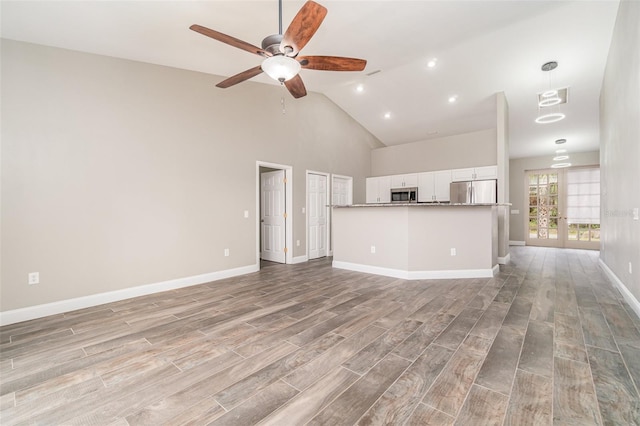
x=288, y=208
x=327, y=203
x=348, y=178
x=563, y=226
x=349, y=202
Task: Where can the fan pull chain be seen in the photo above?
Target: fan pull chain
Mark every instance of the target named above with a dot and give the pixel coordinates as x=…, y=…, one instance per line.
x=284, y=107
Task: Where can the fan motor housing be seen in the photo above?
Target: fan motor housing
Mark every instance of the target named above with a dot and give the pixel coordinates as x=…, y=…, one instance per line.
x=272, y=44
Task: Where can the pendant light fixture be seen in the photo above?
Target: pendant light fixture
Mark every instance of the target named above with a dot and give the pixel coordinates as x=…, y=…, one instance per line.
x=549, y=99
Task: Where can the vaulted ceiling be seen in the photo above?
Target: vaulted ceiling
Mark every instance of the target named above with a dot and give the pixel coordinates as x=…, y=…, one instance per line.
x=479, y=47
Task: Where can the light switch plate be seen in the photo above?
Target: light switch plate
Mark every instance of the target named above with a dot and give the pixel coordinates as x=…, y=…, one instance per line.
x=636, y=215
x=515, y=211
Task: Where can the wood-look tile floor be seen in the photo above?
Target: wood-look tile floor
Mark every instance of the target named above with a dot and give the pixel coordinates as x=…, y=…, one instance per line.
x=547, y=341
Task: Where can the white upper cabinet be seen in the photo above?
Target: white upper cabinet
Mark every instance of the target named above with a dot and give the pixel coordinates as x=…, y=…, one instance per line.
x=487, y=172
x=404, y=181
x=434, y=186
x=442, y=185
x=477, y=173
x=379, y=189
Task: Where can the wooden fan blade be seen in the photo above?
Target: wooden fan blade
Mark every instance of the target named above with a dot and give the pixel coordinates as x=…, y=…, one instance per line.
x=232, y=41
x=296, y=87
x=302, y=28
x=239, y=78
x=331, y=63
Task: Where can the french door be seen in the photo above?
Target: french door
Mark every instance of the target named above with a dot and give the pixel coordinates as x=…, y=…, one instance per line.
x=563, y=207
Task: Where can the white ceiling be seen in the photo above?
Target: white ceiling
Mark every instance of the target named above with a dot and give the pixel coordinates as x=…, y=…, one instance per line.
x=482, y=47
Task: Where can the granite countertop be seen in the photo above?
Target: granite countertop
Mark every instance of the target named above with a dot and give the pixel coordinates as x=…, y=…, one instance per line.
x=424, y=205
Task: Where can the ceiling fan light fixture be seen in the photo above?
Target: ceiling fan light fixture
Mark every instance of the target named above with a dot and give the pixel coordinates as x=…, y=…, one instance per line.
x=281, y=68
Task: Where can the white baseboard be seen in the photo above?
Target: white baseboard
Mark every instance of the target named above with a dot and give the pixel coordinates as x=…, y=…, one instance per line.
x=517, y=243
x=300, y=259
x=504, y=260
x=417, y=275
x=630, y=298
x=39, y=311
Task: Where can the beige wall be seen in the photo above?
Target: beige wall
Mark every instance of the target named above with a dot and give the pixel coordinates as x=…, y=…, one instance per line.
x=517, y=168
x=453, y=152
x=117, y=174
x=620, y=150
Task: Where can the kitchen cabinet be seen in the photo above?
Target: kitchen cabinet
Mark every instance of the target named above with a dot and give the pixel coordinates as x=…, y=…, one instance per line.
x=476, y=173
x=379, y=189
x=434, y=186
x=404, y=181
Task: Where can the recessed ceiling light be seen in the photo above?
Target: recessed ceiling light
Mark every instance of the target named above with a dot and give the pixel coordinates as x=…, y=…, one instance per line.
x=387, y=115
x=560, y=141
x=453, y=98
x=550, y=118
x=359, y=88
x=561, y=157
x=432, y=62
x=560, y=165
x=560, y=151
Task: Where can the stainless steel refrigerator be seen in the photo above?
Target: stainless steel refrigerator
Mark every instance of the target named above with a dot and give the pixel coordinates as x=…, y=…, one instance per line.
x=474, y=192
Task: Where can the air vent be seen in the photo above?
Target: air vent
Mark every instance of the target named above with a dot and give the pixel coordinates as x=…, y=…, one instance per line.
x=563, y=95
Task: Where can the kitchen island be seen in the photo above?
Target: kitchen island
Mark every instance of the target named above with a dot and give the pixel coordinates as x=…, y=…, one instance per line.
x=417, y=241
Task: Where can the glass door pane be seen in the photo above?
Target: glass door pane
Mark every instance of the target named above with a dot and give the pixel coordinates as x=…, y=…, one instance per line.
x=543, y=228
x=583, y=207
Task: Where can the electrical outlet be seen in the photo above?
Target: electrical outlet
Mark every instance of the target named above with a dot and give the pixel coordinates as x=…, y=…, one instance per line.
x=226, y=252
x=298, y=243
x=453, y=252
x=246, y=214
x=636, y=214
x=34, y=278
x=373, y=249
x=303, y=210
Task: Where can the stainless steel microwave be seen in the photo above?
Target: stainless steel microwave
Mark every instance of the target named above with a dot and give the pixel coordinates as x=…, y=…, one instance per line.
x=404, y=195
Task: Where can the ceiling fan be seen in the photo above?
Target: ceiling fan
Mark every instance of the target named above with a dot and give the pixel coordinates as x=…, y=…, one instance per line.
x=280, y=51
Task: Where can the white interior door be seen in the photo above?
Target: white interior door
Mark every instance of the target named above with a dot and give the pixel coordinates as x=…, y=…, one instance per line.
x=272, y=216
x=317, y=217
x=342, y=190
